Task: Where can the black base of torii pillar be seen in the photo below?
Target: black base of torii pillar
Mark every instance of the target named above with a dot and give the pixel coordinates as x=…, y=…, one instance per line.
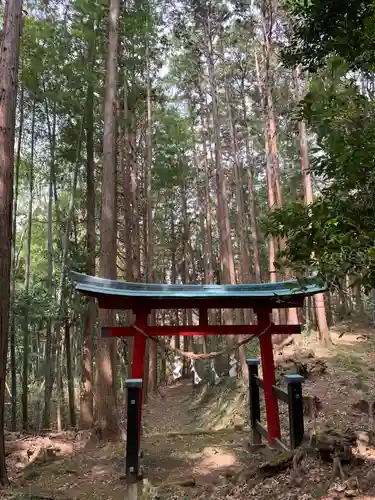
x=134, y=403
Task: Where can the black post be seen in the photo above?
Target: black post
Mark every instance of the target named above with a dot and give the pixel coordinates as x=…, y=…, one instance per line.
x=133, y=386
x=295, y=404
x=254, y=399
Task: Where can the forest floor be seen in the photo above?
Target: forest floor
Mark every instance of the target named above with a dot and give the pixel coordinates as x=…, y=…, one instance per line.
x=196, y=446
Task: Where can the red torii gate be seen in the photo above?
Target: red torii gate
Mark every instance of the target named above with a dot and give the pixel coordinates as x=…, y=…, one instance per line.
x=142, y=298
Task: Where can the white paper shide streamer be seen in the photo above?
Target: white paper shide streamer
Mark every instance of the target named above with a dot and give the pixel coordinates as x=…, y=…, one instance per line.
x=233, y=366
x=213, y=371
x=177, y=368
x=197, y=378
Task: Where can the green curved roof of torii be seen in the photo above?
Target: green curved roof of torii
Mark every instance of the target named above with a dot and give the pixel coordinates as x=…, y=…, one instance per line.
x=117, y=294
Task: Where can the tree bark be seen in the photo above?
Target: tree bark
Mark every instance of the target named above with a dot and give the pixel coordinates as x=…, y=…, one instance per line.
x=124, y=158
x=9, y=59
x=13, y=367
x=62, y=283
x=175, y=320
x=69, y=373
x=208, y=215
x=106, y=407
x=134, y=197
x=358, y=298
x=245, y=270
x=251, y=189
x=50, y=324
x=209, y=253
x=185, y=274
x=86, y=400
x=26, y=330
x=270, y=190
x=319, y=304
x=153, y=360
x=226, y=252
x=268, y=17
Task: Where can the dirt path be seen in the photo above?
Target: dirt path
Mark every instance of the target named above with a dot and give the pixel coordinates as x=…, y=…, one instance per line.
x=168, y=410
x=173, y=452
x=211, y=460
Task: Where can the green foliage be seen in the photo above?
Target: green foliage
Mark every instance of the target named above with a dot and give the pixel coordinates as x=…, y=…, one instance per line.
x=173, y=145
x=320, y=28
x=335, y=234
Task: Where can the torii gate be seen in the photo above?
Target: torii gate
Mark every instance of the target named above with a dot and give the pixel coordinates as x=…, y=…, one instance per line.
x=141, y=298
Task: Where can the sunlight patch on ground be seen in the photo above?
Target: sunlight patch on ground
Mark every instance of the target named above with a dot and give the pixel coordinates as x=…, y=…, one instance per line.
x=212, y=458
x=101, y=470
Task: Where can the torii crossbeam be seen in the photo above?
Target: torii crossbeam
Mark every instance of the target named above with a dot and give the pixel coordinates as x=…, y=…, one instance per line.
x=142, y=298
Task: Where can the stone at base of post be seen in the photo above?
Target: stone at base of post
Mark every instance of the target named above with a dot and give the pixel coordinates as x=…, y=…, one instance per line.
x=131, y=492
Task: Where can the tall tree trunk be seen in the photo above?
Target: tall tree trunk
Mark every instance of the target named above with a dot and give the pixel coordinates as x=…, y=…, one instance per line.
x=208, y=216
x=9, y=58
x=106, y=408
x=26, y=330
x=358, y=298
x=245, y=268
x=204, y=249
x=245, y=271
x=69, y=372
x=50, y=324
x=202, y=215
x=319, y=303
x=226, y=253
x=185, y=275
x=251, y=189
x=13, y=367
x=134, y=196
x=153, y=361
x=272, y=247
x=62, y=287
x=268, y=17
x=292, y=315
x=64, y=262
x=209, y=253
x=174, y=274
x=329, y=310
x=125, y=159
x=86, y=400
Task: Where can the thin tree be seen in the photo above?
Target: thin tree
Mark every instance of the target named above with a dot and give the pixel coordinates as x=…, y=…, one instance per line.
x=320, y=309
x=226, y=251
x=269, y=11
x=13, y=367
x=26, y=330
x=152, y=378
x=9, y=60
x=86, y=400
x=270, y=190
x=251, y=186
x=49, y=371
